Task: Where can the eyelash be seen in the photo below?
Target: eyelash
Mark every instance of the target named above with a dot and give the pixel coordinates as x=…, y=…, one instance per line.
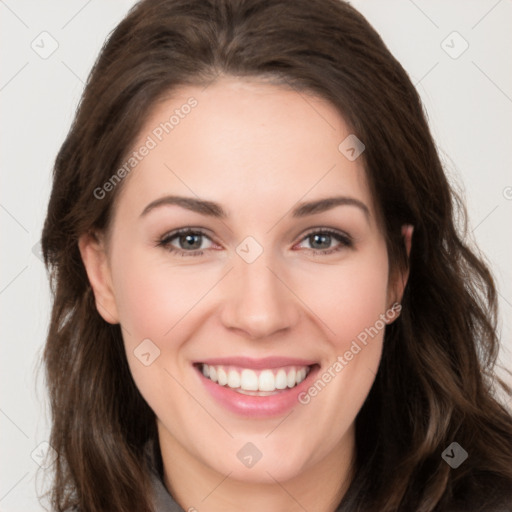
x=344, y=239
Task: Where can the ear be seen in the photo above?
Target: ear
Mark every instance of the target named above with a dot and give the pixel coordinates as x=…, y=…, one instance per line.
x=396, y=289
x=93, y=251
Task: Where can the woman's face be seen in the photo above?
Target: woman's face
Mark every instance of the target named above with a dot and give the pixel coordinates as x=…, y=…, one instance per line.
x=256, y=337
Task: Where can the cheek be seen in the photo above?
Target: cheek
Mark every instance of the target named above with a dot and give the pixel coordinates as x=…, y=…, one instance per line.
x=351, y=303
x=347, y=298
x=158, y=301
x=153, y=300
x=153, y=296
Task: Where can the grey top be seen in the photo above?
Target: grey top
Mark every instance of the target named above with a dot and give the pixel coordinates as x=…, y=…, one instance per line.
x=163, y=501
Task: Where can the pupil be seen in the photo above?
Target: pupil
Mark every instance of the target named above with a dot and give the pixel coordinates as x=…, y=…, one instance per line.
x=322, y=238
x=189, y=241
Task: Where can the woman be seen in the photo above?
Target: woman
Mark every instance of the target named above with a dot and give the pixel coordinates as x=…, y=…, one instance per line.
x=262, y=301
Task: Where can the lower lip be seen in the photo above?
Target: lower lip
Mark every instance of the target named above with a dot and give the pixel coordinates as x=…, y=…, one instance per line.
x=258, y=406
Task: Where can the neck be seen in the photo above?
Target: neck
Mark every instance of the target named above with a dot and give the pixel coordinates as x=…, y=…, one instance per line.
x=195, y=486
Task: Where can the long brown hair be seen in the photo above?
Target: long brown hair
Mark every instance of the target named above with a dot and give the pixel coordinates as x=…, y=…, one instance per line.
x=435, y=384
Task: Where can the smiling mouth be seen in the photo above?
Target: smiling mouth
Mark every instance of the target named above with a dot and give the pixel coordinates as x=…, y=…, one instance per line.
x=262, y=382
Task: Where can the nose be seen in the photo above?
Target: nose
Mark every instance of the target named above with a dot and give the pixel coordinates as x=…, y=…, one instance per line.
x=258, y=301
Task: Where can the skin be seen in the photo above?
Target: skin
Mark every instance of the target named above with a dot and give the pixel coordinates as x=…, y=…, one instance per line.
x=257, y=149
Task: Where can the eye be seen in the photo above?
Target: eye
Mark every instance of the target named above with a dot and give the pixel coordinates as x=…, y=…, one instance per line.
x=321, y=241
x=185, y=242
x=190, y=241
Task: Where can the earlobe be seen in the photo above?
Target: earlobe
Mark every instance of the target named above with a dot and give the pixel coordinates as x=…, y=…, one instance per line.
x=95, y=260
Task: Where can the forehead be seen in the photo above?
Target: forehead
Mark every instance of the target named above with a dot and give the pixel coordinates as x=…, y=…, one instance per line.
x=247, y=144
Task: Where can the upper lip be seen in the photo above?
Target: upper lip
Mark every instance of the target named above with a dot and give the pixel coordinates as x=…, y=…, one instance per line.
x=257, y=364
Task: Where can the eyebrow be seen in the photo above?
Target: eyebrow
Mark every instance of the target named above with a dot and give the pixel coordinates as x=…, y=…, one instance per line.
x=213, y=209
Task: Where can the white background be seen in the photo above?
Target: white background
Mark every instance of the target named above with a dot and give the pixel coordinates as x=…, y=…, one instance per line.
x=469, y=105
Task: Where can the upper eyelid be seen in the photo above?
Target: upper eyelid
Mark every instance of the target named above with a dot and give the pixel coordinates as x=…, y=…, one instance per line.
x=182, y=231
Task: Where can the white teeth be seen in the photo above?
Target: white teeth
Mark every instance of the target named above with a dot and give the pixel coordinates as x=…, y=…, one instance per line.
x=247, y=380
x=233, y=378
x=222, y=377
x=290, y=380
x=267, y=382
x=281, y=379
